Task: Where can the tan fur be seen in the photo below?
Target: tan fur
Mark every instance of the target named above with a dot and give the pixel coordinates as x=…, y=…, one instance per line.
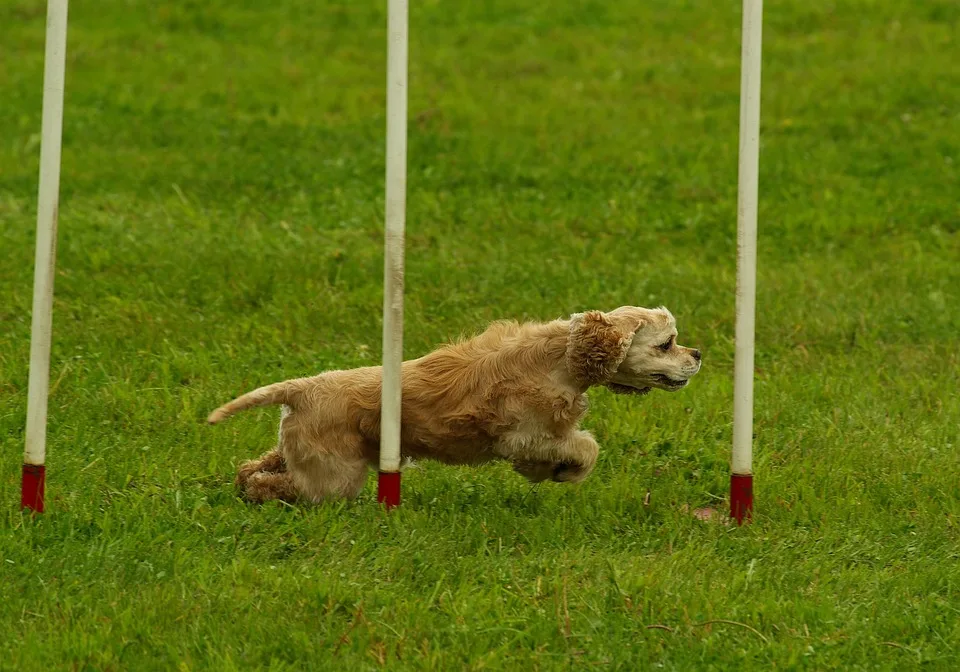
x=515, y=392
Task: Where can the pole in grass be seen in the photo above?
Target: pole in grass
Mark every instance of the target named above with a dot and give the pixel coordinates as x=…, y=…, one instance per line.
x=34, y=455
x=741, y=477
x=388, y=483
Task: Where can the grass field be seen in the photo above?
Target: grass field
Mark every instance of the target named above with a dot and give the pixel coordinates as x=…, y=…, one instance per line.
x=221, y=226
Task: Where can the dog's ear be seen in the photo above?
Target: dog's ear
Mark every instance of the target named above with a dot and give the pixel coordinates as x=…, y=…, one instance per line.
x=598, y=342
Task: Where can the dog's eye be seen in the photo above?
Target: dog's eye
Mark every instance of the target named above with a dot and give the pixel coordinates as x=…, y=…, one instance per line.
x=666, y=346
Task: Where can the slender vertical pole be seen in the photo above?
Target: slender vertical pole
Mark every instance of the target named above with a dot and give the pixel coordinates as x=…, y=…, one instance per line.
x=741, y=478
x=388, y=487
x=35, y=452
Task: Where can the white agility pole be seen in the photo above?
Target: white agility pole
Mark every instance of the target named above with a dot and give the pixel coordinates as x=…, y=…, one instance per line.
x=741, y=477
x=54, y=65
x=388, y=484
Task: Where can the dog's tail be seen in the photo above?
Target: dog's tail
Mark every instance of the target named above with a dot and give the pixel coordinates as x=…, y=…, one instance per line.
x=287, y=392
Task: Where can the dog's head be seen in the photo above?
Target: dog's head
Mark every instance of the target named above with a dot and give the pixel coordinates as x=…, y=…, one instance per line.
x=630, y=350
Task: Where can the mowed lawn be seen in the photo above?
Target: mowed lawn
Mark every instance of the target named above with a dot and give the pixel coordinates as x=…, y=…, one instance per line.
x=221, y=228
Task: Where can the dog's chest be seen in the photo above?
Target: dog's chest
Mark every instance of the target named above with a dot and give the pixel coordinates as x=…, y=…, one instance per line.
x=551, y=420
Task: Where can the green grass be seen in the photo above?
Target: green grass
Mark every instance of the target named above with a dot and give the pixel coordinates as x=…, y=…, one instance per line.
x=221, y=228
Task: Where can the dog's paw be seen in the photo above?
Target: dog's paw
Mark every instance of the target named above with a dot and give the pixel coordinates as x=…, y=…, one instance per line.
x=558, y=472
x=535, y=472
x=246, y=470
x=570, y=472
x=254, y=489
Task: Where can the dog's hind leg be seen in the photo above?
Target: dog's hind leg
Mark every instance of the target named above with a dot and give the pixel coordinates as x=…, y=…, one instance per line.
x=324, y=477
x=271, y=462
x=318, y=478
x=333, y=467
x=263, y=486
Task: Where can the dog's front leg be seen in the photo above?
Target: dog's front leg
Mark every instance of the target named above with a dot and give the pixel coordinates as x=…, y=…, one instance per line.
x=565, y=461
x=583, y=450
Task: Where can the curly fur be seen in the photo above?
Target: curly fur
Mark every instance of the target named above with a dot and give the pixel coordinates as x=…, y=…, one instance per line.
x=515, y=392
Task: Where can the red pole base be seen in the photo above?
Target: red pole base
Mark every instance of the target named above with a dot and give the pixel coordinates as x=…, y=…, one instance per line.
x=31, y=487
x=741, y=497
x=388, y=489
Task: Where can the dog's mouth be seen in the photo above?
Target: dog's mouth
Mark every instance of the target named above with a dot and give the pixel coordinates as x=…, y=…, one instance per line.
x=617, y=388
x=668, y=383
x=658, y=380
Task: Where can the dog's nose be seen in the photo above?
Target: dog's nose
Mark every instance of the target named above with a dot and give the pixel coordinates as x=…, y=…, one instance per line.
x=696, y=355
